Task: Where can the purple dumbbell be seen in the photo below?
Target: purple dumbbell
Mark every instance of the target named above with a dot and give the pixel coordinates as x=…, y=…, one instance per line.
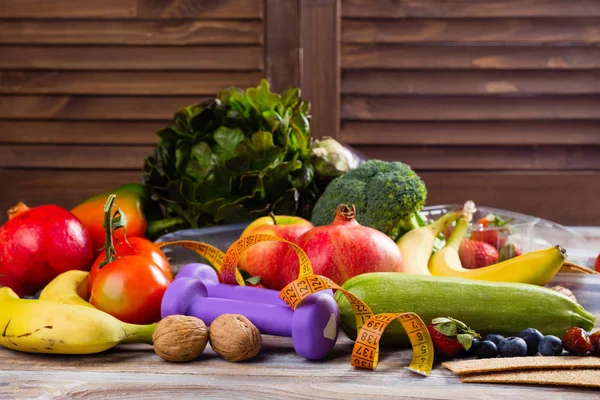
x=209, y=277
x=313, y=326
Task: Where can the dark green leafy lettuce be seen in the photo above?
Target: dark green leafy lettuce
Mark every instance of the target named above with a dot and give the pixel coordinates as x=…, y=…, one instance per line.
x=233, y=158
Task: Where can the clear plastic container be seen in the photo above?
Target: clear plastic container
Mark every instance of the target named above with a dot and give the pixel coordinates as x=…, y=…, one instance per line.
x=530, y=233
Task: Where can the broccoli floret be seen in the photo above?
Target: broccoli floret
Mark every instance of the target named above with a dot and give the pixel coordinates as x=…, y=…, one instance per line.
x=388, y=197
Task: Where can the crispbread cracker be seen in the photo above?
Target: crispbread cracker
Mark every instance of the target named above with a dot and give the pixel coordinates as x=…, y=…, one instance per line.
x=570, y=267
x=464, y=367
x=564, y=377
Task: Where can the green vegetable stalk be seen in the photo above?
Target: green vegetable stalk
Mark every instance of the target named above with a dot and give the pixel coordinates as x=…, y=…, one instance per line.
x=233, y=158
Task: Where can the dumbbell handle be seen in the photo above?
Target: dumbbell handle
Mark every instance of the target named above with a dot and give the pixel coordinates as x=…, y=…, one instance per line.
x=269, y=319
x=208, y=276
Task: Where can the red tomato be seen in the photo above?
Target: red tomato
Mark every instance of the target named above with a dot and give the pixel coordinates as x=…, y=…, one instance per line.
x=597, y=263
x=137, y=247
x=131, y=289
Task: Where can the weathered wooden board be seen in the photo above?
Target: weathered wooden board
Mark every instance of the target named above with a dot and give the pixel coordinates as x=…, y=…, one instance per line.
x=126, y=83
x=462, y=31
x=470, y=82
x=132, y=9
x=81, y=132
x=393, y=56
x=123, y=32
x=469, y=8
x=194, y=58
x=471, y=133
x=444, y=108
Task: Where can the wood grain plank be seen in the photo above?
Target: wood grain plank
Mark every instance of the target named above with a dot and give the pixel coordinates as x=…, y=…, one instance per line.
x=64, y=188
x=130, y=9
x=132, y=57
x=96, y=108
x=282, y=43
x=70, y=156
x=320, y=33
x=470, y=82
x=471, y=57
x=437, y=108
x=124, y=83
x=81, y=132
x=471, y=133
x=468, y=8
x=480, y=31
x=564, y=197
x=489, y=158
x=130, y=32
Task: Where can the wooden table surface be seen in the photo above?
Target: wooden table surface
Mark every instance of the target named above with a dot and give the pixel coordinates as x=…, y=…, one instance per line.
x=135, y=372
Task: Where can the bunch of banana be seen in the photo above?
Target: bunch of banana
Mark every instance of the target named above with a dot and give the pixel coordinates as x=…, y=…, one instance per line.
x=61, y=322
x=536, y=267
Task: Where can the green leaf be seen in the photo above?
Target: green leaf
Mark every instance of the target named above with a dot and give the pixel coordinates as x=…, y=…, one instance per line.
x=262, y=98
x=290, y=97
x=448, y=328
x=465, y=339
x=440, y=320
x=228, y=139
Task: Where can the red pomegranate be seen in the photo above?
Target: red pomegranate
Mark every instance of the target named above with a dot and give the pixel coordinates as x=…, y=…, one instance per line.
x=37, y=244
x=343, y=249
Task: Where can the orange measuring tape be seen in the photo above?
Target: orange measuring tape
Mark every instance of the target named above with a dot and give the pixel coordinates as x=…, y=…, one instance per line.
x=365, y=353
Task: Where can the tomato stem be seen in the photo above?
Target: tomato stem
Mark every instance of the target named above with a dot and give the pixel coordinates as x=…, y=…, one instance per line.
x=109, y=246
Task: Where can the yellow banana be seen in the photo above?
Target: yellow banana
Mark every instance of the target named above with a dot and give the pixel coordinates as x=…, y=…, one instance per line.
x=416, y=245
x=71, y=287
x=536, y=267
x=42, y=326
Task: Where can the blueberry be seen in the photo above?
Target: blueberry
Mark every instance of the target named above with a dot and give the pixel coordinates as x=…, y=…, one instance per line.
x=494, y=338
x=532, y=337
x=550, y=346
x=487, y=349
x=472, y=352
x=512, y=347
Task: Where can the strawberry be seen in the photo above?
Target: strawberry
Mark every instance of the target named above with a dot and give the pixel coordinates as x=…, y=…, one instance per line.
x=507, y=252
x=488, y=231
x=597, y=263
x=450, y=336
x=475, y=254
x=490, y=236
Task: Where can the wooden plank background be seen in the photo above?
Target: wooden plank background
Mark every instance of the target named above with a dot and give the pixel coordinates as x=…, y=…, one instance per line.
x=461, y=90
x=495, y=101
x=85, y=85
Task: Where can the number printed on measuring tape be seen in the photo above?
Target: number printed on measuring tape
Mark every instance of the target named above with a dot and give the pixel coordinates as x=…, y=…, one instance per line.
x=365, y=353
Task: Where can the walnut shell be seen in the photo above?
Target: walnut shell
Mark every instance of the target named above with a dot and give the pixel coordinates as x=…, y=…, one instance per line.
x=234, y=337
x=565, y=291
x=178, y=338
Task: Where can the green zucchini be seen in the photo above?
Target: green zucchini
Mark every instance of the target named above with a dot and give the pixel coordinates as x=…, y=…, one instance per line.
x=485, y=306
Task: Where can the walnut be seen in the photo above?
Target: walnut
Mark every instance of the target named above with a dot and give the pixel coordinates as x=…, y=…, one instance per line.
x=234, y=337
x=178, y=338
x=565, y=291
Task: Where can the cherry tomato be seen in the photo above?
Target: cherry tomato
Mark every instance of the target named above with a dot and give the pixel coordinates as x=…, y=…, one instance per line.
x=131, y=289
x=137, y=246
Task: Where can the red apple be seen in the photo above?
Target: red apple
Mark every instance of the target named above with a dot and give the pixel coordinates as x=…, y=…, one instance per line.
x=264, y=259
x=597, y=263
